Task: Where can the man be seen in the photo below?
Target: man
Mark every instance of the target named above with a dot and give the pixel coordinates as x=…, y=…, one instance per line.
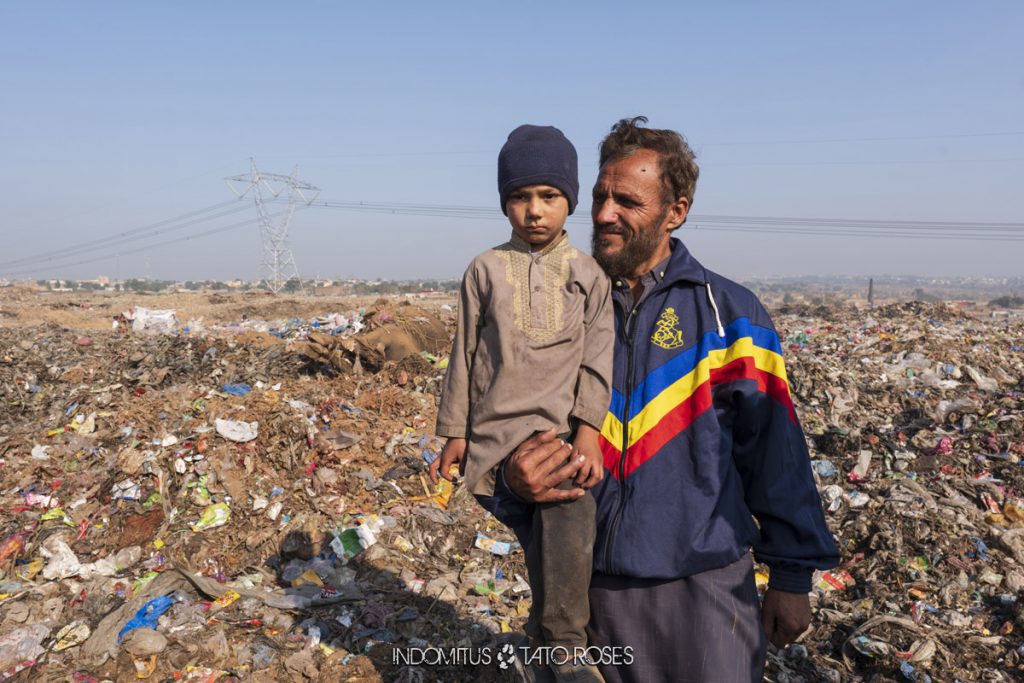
x=701, y=439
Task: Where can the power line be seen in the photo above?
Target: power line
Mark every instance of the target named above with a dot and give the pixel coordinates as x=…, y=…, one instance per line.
x=768, y=224
x=861, y=222
x=735, y=143
x=131, y=235
x=100, y=246
x=855, y=233
x=777, y=225
x=184, y=238
x=489, y=212
x=892, y=138
x=871, y=162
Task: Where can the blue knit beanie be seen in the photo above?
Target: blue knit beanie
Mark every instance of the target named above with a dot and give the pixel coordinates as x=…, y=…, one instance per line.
x=538, y=155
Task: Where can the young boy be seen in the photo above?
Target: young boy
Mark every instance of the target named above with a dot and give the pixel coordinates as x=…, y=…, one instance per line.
x=533, y=351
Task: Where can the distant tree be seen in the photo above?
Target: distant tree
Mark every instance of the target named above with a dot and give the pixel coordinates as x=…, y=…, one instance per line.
x=1008, y=301
x=142, y=285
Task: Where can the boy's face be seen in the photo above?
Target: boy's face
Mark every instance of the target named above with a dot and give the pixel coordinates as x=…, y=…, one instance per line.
x=537, y=214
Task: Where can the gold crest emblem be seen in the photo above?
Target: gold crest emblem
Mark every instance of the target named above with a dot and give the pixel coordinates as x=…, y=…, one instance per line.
x=667, y=334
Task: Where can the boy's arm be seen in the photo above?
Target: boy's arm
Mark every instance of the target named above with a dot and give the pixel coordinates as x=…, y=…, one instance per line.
x=453, y=412
x=593, y=385
x=585, y=443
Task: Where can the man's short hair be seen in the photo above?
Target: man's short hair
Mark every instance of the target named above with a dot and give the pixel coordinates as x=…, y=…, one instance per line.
x=679, y=169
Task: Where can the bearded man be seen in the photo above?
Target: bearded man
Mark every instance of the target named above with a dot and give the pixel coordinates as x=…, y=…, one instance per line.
x=701, y=439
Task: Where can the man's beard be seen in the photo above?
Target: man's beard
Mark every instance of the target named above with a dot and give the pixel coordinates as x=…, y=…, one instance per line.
x=636, y=250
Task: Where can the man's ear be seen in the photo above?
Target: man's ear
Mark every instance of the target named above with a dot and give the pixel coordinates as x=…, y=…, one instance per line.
x=676, y=213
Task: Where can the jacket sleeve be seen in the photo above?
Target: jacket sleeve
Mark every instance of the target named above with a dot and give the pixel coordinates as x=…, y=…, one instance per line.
x=593, y=385
x=453, y=413
x=771, y=456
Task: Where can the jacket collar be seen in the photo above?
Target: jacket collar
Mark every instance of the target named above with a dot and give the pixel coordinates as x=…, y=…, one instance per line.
x=683, y=266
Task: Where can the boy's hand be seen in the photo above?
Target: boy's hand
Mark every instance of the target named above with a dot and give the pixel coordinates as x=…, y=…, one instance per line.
x=585, y=444
x=454, y=451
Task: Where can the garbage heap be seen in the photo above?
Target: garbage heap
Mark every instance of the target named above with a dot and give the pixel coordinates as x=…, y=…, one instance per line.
x=914, y=418
x=233, y=505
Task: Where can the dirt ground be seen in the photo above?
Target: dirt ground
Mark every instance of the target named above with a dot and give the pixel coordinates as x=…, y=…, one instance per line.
x=29, y=307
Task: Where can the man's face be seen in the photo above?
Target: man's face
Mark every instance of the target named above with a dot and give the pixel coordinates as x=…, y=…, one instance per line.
x=632, y=221
x=537, y=214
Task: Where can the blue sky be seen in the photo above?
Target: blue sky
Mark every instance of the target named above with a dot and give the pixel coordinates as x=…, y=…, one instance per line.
x=117, y=115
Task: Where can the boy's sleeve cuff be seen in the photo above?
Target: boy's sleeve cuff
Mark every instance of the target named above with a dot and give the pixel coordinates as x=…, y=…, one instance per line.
x=451, y=431
x=592, y=417
x=790, y=580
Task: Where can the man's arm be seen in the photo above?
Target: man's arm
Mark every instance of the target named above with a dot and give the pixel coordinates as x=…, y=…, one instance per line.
x=771, y=456
x=770, y=453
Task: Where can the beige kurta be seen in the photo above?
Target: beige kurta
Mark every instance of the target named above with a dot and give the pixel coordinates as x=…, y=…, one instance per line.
x=533, y=349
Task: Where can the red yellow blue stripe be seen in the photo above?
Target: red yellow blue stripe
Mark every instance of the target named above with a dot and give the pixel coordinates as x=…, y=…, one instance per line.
x=661, y=409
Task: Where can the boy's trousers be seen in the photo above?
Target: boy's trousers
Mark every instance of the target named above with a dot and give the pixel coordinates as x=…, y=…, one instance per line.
x=558, y=541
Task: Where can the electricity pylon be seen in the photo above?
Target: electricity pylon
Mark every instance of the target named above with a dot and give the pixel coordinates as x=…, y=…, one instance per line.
x=278, y=265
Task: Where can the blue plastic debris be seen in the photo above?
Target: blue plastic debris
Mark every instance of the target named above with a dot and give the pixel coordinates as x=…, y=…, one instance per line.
x=147, y=616
x=982, y=552
x=824, y=468
x=1007, y=600
x=262, y=655
x=237, y=389
x=912, y=674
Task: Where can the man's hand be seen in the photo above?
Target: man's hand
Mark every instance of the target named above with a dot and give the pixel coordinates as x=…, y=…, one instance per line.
x=785, y=616
x=454, y=451
x=536, y=468
x=586, y=444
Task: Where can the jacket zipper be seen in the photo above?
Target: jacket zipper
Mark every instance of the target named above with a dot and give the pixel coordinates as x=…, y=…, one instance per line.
x=614, y=527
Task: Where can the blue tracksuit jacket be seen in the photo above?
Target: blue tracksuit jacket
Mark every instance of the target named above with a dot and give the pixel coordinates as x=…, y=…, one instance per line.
x=701, y=439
